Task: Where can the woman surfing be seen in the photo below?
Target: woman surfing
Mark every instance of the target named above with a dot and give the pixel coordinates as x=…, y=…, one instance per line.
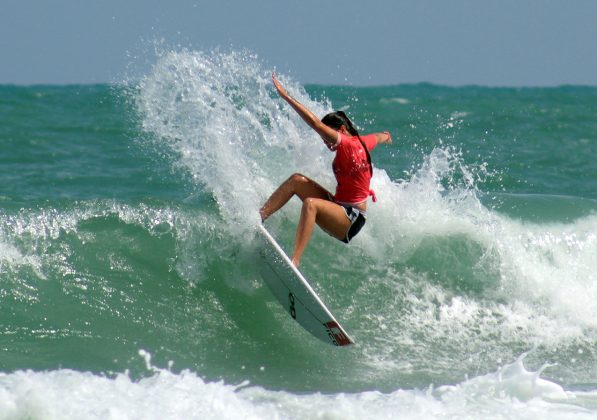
x=343, y=214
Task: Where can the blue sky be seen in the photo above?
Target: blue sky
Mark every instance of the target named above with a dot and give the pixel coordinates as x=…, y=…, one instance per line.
x=358, y=42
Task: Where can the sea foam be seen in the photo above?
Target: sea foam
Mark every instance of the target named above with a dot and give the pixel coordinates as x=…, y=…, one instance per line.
x=512, y=392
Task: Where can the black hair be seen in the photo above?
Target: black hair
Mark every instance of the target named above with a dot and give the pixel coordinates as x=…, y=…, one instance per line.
x=337, y=119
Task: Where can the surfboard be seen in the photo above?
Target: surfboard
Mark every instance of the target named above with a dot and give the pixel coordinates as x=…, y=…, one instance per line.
x=296, y=295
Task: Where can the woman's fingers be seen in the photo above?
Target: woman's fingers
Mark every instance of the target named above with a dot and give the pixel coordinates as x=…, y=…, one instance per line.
x=277, y=84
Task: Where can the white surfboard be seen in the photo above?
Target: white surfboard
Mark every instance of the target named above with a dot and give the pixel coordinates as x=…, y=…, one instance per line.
x=295, y=293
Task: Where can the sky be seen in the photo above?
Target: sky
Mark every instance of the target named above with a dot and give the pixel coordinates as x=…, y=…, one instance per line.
x=354, y=42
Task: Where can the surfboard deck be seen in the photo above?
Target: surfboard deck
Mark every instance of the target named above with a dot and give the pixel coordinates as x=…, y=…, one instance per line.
x=295, y=293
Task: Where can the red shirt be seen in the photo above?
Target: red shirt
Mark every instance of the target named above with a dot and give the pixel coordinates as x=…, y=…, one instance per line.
x=352, y=170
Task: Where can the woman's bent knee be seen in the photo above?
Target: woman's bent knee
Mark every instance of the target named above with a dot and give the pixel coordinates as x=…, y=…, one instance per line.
x=310, y=205
x=298, y=178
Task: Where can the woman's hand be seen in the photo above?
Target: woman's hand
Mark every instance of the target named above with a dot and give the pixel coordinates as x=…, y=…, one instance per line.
x=384, y=137
x=389, y=139
x=279, y=86
x=328, y=135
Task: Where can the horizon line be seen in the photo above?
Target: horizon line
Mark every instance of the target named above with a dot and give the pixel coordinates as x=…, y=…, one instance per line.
x=319, y=84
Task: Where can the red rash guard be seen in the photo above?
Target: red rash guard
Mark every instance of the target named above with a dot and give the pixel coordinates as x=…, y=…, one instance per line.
x=352, y=170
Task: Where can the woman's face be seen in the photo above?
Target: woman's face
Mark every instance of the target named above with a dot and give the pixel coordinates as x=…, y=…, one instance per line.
x=343, y=129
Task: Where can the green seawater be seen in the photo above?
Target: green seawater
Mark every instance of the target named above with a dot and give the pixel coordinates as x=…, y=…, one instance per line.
x=127, y=219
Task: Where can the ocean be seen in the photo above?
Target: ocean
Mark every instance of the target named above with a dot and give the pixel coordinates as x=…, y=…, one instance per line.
x=130, y=287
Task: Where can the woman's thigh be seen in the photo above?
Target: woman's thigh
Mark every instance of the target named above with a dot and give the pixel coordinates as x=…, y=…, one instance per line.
x=307, y=188
x=331, y=217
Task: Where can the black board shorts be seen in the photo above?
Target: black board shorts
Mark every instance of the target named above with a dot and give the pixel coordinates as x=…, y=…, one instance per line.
x=357, y=221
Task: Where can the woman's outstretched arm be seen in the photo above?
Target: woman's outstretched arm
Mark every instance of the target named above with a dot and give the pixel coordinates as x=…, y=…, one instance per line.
x=384, y=137
x=329, y=135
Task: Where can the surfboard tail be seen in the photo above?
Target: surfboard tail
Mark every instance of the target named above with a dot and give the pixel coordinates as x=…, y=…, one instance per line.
x=337, y=334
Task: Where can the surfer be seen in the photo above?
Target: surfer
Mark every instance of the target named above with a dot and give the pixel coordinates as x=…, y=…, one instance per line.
x=343, y=214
